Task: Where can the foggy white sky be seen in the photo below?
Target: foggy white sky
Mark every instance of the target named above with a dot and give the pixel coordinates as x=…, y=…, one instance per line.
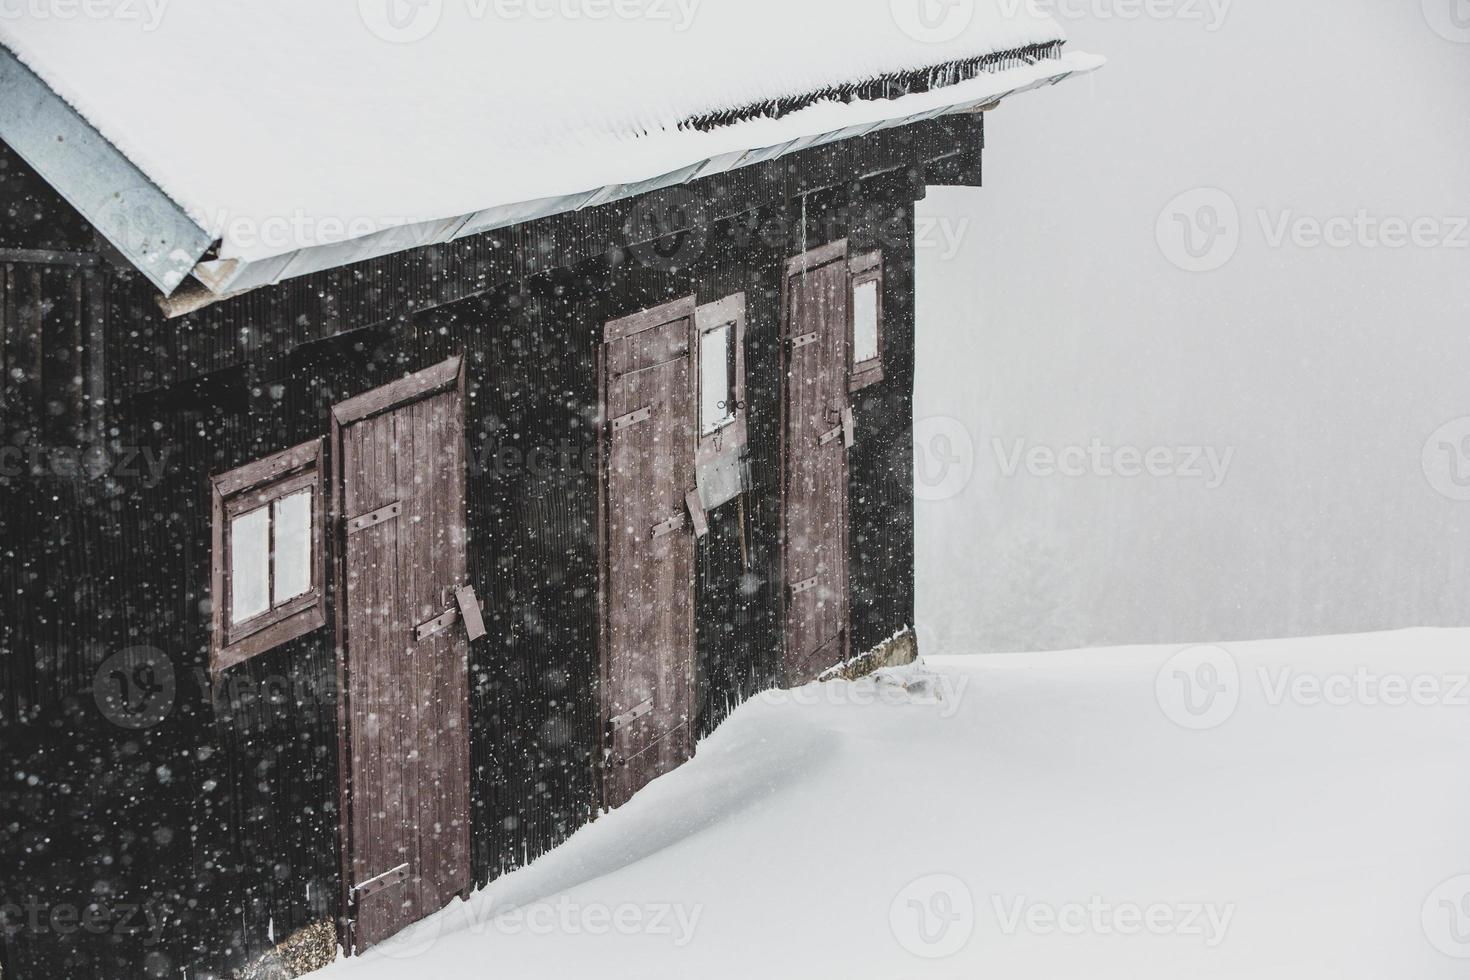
x=1057, y=310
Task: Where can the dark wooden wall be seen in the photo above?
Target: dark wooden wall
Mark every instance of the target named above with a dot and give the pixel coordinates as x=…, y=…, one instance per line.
x=220, y=817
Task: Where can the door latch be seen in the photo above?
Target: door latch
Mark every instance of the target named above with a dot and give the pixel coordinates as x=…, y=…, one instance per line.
x=697, y=513
x=469, y=608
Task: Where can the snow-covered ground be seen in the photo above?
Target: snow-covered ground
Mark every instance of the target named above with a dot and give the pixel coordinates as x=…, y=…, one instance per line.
x=1287, y=810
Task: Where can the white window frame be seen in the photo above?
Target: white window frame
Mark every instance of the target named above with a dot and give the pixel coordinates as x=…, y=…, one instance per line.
x=863, y=269
x=731, y=435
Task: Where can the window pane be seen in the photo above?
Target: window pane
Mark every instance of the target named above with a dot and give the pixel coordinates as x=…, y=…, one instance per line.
x=715, y=382
x=293, y=546
x=865, y=322
x=250, y=565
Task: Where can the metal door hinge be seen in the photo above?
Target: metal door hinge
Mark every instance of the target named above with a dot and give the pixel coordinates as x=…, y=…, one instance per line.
x=379, y=516
x=849, y=428
x=628, y=717
x=632, y=418
x=436, y=625
x=387, y=879
x=669, y=526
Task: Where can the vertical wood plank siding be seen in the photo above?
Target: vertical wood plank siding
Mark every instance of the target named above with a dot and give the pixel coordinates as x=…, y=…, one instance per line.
x=220, y=815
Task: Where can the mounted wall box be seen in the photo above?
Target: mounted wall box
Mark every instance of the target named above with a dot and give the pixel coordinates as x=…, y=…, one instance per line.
x=723, y=405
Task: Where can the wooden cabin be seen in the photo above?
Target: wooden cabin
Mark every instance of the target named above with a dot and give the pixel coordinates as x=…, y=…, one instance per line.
x=341, y=577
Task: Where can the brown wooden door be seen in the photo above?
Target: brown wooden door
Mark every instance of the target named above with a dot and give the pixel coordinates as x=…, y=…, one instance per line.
x=402, y=495
x=648, y=567
x=816, y=424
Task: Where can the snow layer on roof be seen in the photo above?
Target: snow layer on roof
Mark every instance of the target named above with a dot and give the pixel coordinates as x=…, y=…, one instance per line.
x=282, y=124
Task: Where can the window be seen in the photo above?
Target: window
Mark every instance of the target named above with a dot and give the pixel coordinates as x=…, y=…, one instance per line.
x=716, y=379
x=721, y=378
x=866, y=339
x=268, y=554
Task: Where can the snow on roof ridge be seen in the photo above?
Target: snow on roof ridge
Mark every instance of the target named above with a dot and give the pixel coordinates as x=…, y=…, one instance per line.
x=890, y=85
x=279, y=126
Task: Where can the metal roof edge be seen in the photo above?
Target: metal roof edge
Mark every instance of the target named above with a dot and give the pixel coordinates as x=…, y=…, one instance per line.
x=116, y=198
x=235, y=276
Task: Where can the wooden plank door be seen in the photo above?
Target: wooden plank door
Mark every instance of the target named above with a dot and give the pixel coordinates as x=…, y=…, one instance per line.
x=402, y=503
x=816, y=433
x=648, y=539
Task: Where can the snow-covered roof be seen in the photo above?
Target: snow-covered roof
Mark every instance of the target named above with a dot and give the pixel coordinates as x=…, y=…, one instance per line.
x=305, y=134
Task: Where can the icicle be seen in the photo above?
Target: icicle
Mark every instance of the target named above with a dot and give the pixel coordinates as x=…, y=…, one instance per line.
x=804, y=247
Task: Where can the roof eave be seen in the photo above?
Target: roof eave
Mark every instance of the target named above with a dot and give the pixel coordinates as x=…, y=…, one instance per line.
x=118, y=199
x=230, y=277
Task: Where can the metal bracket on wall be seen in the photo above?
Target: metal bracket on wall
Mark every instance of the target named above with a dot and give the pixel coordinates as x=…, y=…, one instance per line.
x=800, y=588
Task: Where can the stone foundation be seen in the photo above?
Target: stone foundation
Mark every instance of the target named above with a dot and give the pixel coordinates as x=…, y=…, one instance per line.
x=898, y=651
x=303, y=952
